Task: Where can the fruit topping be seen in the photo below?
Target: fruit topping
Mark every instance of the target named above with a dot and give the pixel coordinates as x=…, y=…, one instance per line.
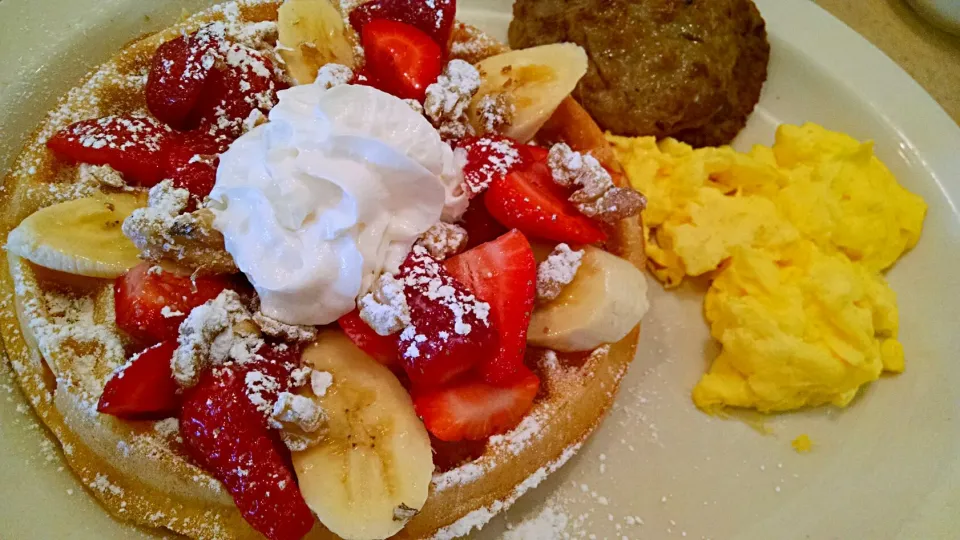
x=151, y=303
x=81, y=237
x=485, y=159
x=370, y=472
x=177, y=75
x=401, y=60
x=503, y=273
x=435, y=18
x=597, y=196
x=383, y=349
x=143, y=387
x=443, y=240
x=446, y=101
x=480, y=225
x=528, y=199
x=450, y=332
x=311, y=35
x=225, y=434
x=135, y=146
x=476, y=410
x=557, y=271
x=521, y=89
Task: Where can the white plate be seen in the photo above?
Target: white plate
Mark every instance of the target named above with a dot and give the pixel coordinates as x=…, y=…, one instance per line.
x=886, y=467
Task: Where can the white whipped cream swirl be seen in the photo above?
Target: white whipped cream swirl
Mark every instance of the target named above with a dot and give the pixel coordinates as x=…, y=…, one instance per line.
x=331, y=192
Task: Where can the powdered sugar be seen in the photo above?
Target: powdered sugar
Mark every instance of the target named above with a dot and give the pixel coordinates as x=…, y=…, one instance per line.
x=549, y=524
x=485, y=160
x=330, y=75
x=517, y=439
x=259, y=387
x=320, y=382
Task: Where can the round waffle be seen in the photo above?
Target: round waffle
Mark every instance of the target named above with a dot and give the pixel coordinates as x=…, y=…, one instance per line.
x=63, y=344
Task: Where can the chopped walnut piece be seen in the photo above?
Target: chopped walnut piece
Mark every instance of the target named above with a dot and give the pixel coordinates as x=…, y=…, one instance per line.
x=448, y=98
x=385, y=307
x=284, y=331
x=296, y=410
x=163, y=232
x=495, y=112
x=557, y=271
x=101, y=175
x=443, y=240
x=597, y=197
x=331, y=75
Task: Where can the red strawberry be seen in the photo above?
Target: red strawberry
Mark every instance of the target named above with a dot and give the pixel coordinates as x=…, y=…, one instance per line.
x=476, y=410
x=480, y=225
x=225, y=433
x=142, y=294
x=383, y=349
x=488, y=159
x=198, y=176
x=504, y=274
x=144, y=387
x=450, y=331
x=133, y=145
x=401, y=60
x=231, y=94
x=433, y=18
x=531, y=201
x=178, y=74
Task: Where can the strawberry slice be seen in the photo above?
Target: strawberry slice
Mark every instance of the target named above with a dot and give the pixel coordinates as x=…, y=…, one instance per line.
x=231, y=94
x=144, y=387
x=197, y=177
x=383, y=349
x=504, y=274
x=488, y=159
x=476, y=410
x=151, y=303
x=401, y=60
x=178, y=74
x=434, y=18
x=133, y=145
x=529, y=200
x=480, y=225
x=225, y=434
x=450, y=331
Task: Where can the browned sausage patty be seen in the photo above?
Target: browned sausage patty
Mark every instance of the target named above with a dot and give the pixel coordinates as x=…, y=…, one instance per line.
x=691, y=69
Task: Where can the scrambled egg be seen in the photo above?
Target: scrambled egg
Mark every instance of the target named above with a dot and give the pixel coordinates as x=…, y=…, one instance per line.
x=794, y=238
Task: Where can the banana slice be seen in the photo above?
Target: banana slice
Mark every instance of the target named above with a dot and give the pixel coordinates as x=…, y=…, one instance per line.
x=312, y=34
x=534, y=80
x=81, y=237
x=371, y=472
x=602, y=304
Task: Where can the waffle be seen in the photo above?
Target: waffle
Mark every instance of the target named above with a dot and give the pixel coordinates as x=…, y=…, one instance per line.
x=62, y=342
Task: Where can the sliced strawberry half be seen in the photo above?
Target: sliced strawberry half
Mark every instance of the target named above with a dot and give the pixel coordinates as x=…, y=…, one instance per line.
x=480, y=225
x=178, y=74
x=504, y=274
x=451, y=330
x=151, y=303
x=225, y=434
x=529, y=200
x=488, y=159
x=476, y=410
x=383, y=349
x=136, y=146
x=401, y=60
x=144, y=387
x=434, y=18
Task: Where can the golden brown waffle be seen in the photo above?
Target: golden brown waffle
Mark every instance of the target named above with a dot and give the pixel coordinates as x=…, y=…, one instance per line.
x=63, y=344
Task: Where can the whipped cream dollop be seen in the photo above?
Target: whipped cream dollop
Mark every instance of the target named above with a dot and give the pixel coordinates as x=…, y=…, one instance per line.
x=330, y=193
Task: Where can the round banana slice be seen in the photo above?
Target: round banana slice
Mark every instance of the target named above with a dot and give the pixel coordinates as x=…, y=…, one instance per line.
x=605, y=300
x=371, y=471
x=81, y=237
x=534, y=80
x=312, y=34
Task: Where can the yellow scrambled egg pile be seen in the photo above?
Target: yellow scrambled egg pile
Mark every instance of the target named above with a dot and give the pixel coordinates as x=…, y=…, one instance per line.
x=794, y=238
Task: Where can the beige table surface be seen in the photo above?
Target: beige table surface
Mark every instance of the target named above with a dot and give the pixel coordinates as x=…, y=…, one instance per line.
x=931, y=56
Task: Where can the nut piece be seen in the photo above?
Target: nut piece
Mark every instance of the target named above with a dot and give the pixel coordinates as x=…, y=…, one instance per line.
x=495, y=112
x=443, y=240
x=385, y=307
x=284, y=331
x=101, y=175
x=597, y=197
x=296, y=410
x=331, y=75
x=161, y=231
x=557, y=271
x=447, y=99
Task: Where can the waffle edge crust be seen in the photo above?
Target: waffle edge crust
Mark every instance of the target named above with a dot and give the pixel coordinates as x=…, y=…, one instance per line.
x=61, y=341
